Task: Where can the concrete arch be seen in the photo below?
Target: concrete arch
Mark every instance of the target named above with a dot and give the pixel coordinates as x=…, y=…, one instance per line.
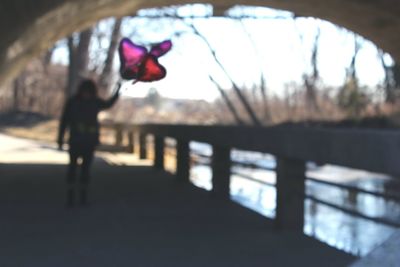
x=28, y=27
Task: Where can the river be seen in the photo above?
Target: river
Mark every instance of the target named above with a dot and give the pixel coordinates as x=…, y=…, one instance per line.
x=339, y=229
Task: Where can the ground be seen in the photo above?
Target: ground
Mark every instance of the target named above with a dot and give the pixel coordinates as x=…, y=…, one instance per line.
x=137, y=217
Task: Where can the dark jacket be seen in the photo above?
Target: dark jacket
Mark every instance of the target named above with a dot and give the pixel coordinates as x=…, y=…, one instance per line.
x=80, y=117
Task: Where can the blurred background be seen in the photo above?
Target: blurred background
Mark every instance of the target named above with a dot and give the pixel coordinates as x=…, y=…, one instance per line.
x=253, y=66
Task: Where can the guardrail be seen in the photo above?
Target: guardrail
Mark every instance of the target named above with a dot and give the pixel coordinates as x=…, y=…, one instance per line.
x=293, y=146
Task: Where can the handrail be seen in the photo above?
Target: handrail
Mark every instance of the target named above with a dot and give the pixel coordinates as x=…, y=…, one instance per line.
x=371, y=150
x=217, y=131
x=293, y=146
x=308, y=178
x=329, y=204
x=248, y=177
x=353, y=212
x=355, y=189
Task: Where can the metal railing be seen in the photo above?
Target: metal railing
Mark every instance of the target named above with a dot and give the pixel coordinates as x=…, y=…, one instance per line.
x=348, y=188
x=292, y=146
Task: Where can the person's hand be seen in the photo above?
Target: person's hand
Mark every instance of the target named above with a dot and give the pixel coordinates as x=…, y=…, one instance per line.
x=119, y=85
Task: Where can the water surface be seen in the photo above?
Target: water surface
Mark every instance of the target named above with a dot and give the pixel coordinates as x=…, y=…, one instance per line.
x=339, y=229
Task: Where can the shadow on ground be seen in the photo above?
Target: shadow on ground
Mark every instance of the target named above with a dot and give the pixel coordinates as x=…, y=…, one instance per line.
x=138, y=217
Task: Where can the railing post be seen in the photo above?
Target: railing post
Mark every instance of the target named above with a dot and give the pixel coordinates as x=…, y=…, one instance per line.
x=118, y=135
x=221, y=171
x=290, y=189
x=142, y=146
x=182, y=161
x=131, y=142
x=159, y=152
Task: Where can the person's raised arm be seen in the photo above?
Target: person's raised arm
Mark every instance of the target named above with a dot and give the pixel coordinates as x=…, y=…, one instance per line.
x=64, y=122
x=105, y=104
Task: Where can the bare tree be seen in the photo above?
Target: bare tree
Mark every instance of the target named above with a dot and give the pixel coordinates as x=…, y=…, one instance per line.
x=17, y=88
x=351, y=97
x=243, y=99
x=78, y=58
x=71, y=81
x=47, y=57
x=351, y=72
x=235, y=87
x=228, y=102
x=262, y=85
x=106, y=74
x=391, y=83
x=310, y=80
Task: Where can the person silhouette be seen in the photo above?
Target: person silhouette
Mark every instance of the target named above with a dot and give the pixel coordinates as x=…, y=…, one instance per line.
x=80, y=118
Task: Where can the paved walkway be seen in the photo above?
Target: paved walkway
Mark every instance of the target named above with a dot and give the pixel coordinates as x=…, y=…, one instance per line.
x=137, y=217
x=387, y=254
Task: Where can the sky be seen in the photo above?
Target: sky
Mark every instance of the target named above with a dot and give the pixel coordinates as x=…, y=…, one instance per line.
x=274, y=47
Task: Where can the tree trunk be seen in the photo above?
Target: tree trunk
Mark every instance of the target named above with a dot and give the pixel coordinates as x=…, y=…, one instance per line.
x=228, y=102
x=392, y=83
x=16, y=94
x=78, y=60
x=71, y=82
x=310, y=82
x=351, y=71
x=388, y=83
x=310, y=79
x=235, y=87
x=311, y=95
x=262, y=86
x=47, y=58
x=106, y=75
x=82, y=56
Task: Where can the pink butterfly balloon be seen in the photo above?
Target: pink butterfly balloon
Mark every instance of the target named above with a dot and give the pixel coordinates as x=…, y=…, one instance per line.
x=139, y=64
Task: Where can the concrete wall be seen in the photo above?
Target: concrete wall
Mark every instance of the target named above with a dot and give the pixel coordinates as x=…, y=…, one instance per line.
x=28, y=27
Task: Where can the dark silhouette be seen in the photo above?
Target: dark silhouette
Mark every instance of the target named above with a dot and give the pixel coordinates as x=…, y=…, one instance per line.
x=80, y=117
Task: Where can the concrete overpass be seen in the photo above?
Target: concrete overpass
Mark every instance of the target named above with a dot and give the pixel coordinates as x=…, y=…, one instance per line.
x=28, y=27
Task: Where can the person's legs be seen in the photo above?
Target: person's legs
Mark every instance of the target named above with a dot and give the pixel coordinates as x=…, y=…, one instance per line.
x=71, y=176
x=87, y=158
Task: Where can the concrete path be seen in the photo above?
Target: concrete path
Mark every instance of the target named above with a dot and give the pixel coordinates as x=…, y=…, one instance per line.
x=137, y=217
x=18, y=150
x=386, y=254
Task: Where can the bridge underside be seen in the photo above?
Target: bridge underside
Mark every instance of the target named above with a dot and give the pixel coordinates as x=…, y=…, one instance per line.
x=28, y=27
x=138, y=217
